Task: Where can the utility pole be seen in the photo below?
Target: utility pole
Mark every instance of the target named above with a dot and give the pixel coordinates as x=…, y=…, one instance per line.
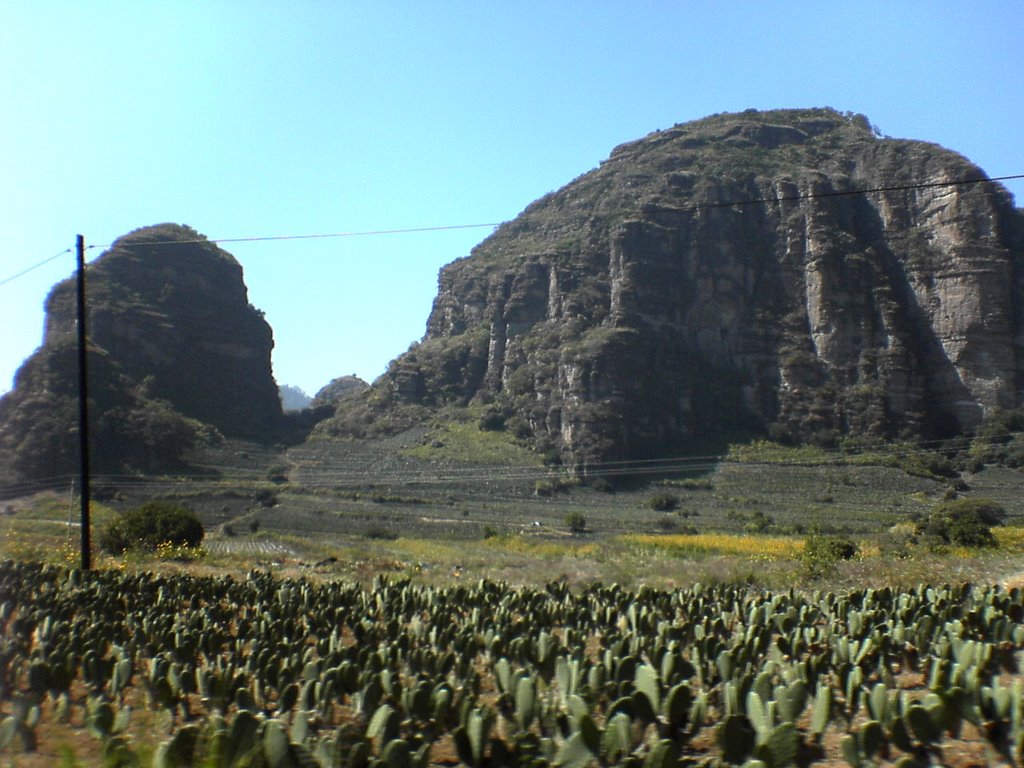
x=83, y=409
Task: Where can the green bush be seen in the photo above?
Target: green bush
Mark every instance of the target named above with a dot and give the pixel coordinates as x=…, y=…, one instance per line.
x=492, y=419
x=519, y=427
x=898, y=542
x=964, y=522
x=759, y=522
x=552, y=485
x=577, y=522
x=821, y=553
x=152, y=524
x=278, y=474
x=830, y=548
x=663, y=502
x=601, y=483
x=265, y=498
x=932, y=466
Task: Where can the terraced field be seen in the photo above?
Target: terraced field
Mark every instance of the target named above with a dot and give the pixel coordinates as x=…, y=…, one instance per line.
x=256, y=548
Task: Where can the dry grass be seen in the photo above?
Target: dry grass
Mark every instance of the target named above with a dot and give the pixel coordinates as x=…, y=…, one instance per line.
x=760, y=547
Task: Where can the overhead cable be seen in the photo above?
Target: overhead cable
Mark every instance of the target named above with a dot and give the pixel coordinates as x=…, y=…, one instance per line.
x=410, y=230
x=34, y=266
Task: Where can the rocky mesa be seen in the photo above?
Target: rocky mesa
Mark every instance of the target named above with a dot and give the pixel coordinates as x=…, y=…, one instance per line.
x=791, y=271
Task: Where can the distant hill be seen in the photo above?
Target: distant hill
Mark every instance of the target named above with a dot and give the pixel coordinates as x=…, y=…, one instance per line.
x=731, y=274
x=177, y=355
x=293, y=398
x=338, y=388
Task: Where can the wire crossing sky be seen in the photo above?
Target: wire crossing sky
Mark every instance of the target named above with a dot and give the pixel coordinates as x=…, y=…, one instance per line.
x=251, y=120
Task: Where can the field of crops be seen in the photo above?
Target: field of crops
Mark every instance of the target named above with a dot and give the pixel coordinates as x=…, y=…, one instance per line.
x=262, y=671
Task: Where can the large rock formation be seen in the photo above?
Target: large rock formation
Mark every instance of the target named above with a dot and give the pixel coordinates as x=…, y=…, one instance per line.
x=787, y=270
x=174, y=345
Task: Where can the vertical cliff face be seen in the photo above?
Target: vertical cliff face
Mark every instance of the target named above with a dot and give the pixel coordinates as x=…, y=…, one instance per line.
x=174, y=345
x=791, y=270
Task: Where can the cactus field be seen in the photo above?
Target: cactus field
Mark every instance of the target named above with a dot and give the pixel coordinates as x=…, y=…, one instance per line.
x=257, y=670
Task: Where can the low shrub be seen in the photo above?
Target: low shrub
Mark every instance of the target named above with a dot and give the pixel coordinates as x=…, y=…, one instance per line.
x=932, y=466
x=821, y=553
x=831, y=548
x=265, y=498
x=898, y=542
x=553, y=485
x=381, y=533
x=519, y=427
x=278, y=474
x=601, y=484
x=759, y=522
x=492, y=419
x=663, y=502
x=577, y=522
x=151, y=525
x=963, y=523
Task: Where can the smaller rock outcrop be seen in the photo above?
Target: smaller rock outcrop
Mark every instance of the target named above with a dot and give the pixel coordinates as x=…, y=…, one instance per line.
x=176, y=353
x=336, y=389
x=293, y=398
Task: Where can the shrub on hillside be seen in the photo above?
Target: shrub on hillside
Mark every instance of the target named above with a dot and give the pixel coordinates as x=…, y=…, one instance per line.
x=577, y=522
x=830, y=548
x=964, y=522
x=381, y=533
x=519, y=427
x=492, y=419
x=663, y=502
x=821, y=553
x=759, y=522
x=601, y=483
x=933, y=466
x=152, y=524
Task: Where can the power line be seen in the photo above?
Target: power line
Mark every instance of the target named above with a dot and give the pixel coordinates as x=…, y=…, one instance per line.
x=410, y=230
x=694, y=207
x=34, y=266
x=315, y=236
x=265, y=238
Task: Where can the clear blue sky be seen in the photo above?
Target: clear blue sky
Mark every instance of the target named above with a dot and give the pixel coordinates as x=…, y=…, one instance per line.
x=307, y=116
